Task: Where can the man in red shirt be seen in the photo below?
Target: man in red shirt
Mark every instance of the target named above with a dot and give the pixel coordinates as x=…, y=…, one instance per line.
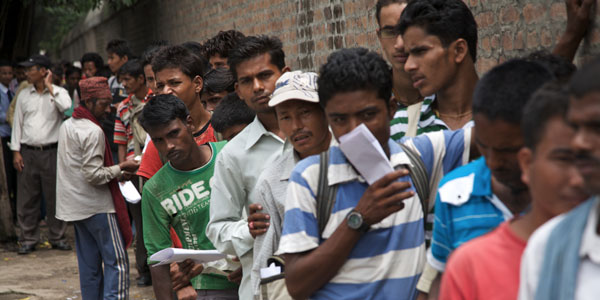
x=179, y=72
x=488, y=267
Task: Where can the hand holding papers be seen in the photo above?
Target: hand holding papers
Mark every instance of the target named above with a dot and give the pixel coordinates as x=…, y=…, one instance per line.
x=365, y=153
x=169, y=255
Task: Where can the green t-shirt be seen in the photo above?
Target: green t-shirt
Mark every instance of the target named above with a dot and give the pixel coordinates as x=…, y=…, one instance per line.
x=181, y=199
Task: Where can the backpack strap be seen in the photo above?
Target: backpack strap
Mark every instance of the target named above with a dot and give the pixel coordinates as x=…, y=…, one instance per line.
x=325, y=193
x=419, y=176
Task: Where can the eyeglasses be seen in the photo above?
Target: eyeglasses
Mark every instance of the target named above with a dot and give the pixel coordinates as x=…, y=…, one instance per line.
x=388, y=33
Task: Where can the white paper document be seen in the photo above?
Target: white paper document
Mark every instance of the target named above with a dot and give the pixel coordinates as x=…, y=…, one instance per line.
x=271, y=271
x=169, y=255
x=130, y=193
x=365, y=153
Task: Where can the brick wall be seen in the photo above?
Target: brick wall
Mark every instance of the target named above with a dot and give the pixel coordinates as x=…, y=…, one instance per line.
x=311, y=29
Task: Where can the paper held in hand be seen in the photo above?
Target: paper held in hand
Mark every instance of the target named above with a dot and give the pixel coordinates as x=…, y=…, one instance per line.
x=129, y=192
x=169, y=255
x=365, y=153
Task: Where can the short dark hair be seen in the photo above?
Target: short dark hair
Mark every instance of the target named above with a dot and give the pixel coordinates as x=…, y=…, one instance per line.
x=354, y=69
x=449, y=20
x=548, y=102
x=197, y=49
x=230, y=112
x=120, y=48
x=383, y=3
x=560, y=67
x=151, y=50
x=93, y=57
x=501, y=94
x=222, y=43
x=72, y=69
x=585, y=80
x=253, y=46
x=218, y=80
x=160, y=110
x=178, y=57
x=6, y=63
x=133, y=68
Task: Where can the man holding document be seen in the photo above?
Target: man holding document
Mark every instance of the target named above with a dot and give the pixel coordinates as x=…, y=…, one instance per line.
x=178, y=195
x=373, y=245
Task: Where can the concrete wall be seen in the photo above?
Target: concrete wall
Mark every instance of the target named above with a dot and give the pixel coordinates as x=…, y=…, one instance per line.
x=312, y=29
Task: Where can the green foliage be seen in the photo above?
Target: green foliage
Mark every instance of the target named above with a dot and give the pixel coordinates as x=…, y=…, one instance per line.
x=62, y=15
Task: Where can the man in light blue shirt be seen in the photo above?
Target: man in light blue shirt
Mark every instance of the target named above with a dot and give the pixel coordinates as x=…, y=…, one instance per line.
x=256, y=63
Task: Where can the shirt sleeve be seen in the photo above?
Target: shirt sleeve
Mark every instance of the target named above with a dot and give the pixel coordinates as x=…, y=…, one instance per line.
x=441, y=242
x=226, y=229
x=150, y=163
x=92, y=165
x=441, y=152
x=62, y=100
x=17, y=127
x=300, y=226
x=155, y=223
x=120, y=136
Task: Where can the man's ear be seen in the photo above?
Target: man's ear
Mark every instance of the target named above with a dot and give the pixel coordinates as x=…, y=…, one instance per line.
x=525, y=157
x=190, y=124
x=198, y=84
x=460, y=49
x=392, y=108
x=285, y=69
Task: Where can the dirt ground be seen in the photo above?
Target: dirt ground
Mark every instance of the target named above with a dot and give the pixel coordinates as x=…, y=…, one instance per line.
x=50, y=274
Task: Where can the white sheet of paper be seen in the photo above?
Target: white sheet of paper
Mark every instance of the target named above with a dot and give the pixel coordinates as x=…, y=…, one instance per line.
x=129, y=192
x=365, y=153
x=271, y=271
x=169, y=255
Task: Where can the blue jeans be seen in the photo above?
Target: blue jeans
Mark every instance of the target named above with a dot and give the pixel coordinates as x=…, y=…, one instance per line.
x=98, y=241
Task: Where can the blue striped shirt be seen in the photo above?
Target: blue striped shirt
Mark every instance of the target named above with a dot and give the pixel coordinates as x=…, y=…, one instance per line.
x=387, y=261
x=465, y=208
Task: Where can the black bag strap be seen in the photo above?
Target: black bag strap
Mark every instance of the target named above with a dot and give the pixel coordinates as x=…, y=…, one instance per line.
x=419, y=176
x=325, y=193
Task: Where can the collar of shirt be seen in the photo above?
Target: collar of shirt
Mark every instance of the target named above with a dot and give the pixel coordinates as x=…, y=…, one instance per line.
x=427, y=109
x=257, y=131
x=590, y=243
x=471, y=180
x=340, y=170
x=3, y=88
x=33, y=90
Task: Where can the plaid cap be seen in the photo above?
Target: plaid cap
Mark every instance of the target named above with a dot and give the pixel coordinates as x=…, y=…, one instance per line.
x=95, y=87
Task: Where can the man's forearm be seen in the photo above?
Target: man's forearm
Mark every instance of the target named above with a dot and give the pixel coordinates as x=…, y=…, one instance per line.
x=307, y=273
x=161, y=282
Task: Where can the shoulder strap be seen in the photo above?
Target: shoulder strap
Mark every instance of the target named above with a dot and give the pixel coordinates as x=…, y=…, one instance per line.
x=325, y=193
x=420, y=179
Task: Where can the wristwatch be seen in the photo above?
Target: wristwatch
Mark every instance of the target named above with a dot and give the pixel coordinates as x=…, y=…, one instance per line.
x=355, y=221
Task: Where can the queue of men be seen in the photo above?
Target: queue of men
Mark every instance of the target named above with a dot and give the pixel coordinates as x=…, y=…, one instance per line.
x=495, y=179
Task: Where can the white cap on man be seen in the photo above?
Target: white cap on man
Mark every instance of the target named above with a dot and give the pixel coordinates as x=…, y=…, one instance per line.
x=296, y=85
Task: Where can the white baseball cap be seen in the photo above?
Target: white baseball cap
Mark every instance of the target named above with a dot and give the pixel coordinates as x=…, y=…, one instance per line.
x=295, y=85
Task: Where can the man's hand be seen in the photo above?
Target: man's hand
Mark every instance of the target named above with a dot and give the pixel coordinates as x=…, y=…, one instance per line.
x=126, y=176
x=384, y=197
x=578, y=16
x=130, y=165
x=187, y=293
x=258, y=223
x=18, y=161
x=48, y=82
x=236, y=276
x=182, y=273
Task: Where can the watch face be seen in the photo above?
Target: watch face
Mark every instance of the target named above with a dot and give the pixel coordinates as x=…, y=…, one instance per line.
x=354, y=221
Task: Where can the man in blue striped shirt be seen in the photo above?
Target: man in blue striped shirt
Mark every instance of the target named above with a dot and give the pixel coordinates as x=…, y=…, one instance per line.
x=373, y=244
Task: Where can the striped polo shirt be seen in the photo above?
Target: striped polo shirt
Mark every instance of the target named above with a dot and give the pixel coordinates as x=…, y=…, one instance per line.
x=465, y=208
x=387, y=260
x=428, y=121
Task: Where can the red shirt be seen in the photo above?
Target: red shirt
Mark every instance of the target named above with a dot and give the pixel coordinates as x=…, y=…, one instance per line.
x=485, y=268
x=151, y=161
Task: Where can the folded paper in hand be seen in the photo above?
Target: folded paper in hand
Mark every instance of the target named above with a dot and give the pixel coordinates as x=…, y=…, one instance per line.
x=271, y=271
x=129, y=192
x=169, y=255
x=365, y=153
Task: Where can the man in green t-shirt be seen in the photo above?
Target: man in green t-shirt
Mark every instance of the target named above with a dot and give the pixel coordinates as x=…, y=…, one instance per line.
x=178, y=195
